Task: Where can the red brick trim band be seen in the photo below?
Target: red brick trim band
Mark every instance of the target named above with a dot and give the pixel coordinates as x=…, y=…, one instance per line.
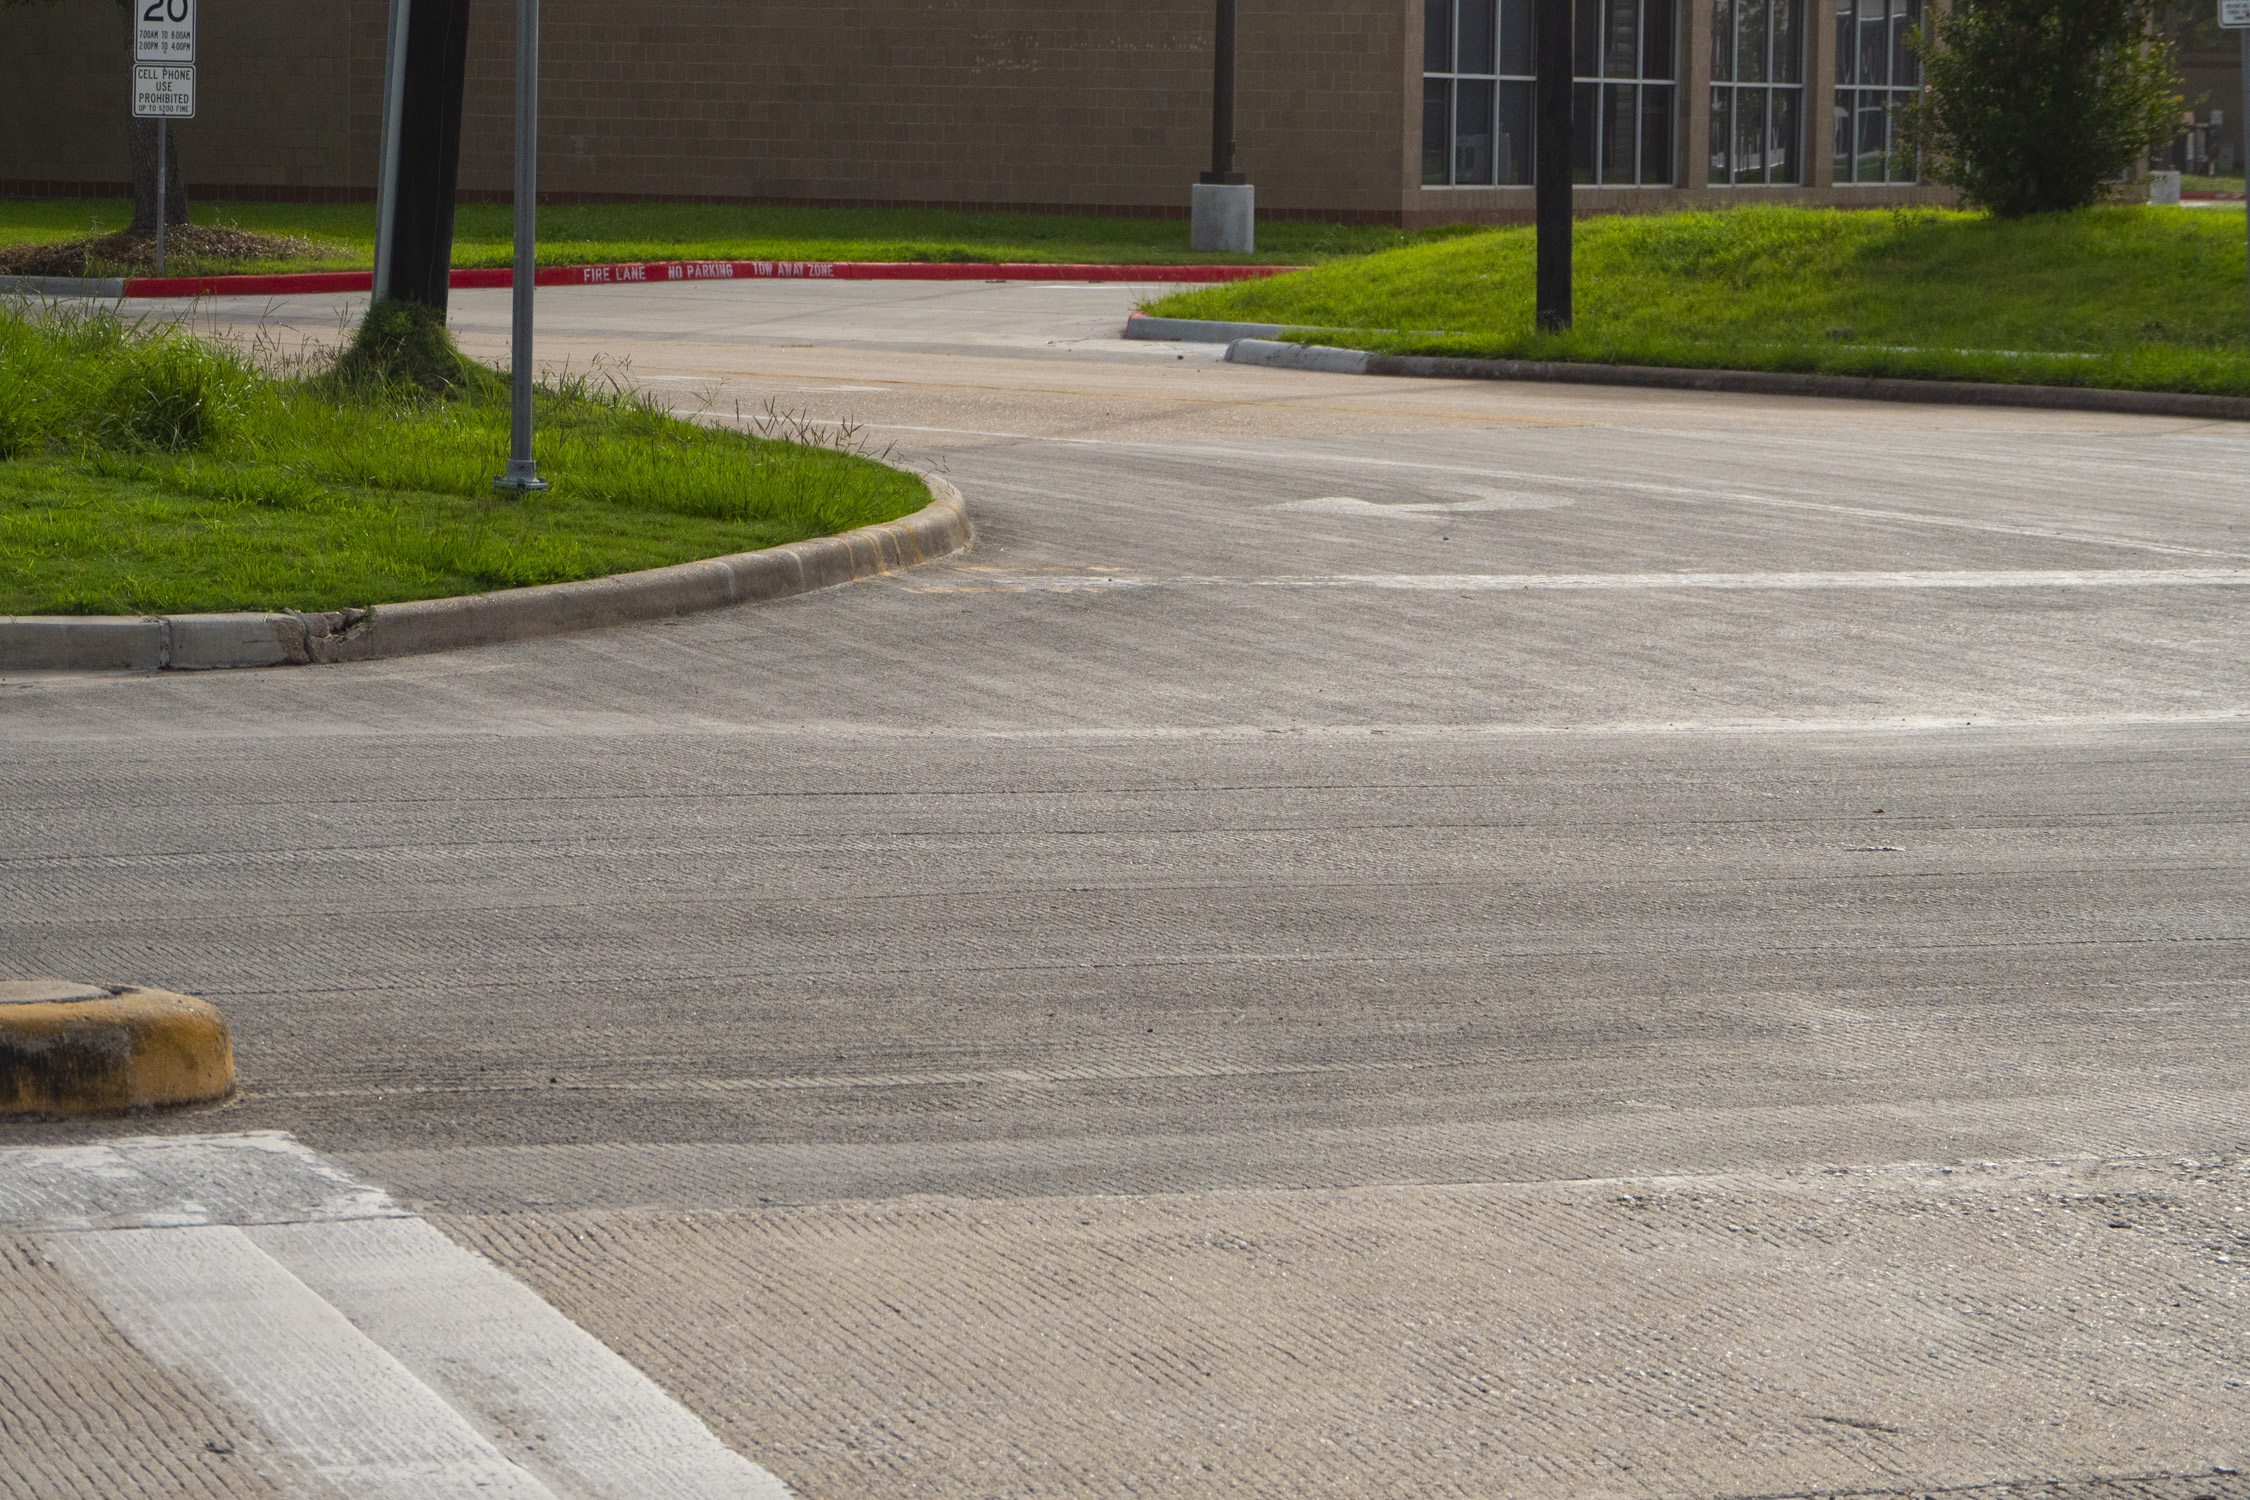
x=643, y=272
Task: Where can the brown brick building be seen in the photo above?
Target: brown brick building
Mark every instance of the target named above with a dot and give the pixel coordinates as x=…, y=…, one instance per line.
x=1390, y=111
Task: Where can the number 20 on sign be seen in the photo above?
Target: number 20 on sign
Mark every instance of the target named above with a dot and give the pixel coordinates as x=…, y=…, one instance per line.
x=164, y=31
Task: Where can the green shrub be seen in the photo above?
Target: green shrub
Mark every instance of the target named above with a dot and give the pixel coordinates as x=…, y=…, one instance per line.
x=21, y=417
x=2038, y=106
x=176, y=394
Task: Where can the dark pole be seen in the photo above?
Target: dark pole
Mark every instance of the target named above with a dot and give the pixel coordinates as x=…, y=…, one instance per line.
x=163, y=139
x=1222, y=100
x=1554, y=164
x=522, y=476
x=436, y=66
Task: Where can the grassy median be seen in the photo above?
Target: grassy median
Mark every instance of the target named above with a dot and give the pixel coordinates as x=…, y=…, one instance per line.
x=342, y=236
x=144, y=471
x=2137, y=298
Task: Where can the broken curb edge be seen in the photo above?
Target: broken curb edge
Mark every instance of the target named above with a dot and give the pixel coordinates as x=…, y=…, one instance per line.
x=187, y=643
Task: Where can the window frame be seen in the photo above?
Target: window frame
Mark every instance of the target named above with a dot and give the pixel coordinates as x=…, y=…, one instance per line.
x=1849, y=123
x=1729, y=90
x=1511, y=101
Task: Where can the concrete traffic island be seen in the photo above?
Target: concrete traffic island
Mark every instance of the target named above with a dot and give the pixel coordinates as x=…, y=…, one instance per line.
x=192, y=643
x=91, y=1049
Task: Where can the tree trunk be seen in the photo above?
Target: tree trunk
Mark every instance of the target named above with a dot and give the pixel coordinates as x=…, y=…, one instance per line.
x=140, y=151
x=141, y=144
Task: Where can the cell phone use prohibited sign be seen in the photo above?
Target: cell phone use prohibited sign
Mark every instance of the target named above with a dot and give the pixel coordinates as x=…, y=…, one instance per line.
x=163, y=31
x=2234, y=14
x=163, y=93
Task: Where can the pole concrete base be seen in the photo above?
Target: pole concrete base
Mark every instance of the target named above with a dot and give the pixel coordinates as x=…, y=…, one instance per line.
x=1225, y=218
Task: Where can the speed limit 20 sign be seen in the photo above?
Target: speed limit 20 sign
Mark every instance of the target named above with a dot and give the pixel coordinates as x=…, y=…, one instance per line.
x=164, y=31
x=163, y=59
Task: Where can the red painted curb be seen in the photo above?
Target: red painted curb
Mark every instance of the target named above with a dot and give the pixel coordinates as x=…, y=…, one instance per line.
x=639, y=272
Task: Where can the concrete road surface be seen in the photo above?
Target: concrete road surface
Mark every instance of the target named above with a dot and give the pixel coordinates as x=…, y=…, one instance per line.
x=1374, y=937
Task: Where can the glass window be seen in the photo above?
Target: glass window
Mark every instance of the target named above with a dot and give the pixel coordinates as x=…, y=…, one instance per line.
x=1472, y=130
x=1757, y=90
x=1875, y=74
x=1437, y=36
x=1479, y=92
x=1626, y=99
x=1515, y=38
x=1476, y=93
x=1480, y=29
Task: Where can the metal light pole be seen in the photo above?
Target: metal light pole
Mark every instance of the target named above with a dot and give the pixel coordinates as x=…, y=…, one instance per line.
x=1224, y=215
x=394, y=121
x=424, y=83
x=1554, y=164
x=522, y=476
x=1222, y=99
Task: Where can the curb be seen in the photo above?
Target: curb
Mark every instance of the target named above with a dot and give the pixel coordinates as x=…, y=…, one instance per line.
x=1200, y=330
x=630, y=273
x=108, y=288
x=1250, y=351
x=195, y=643
x=82, y=1049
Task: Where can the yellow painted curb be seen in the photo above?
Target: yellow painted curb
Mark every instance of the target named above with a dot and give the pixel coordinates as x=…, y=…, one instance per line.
x=73, y=1049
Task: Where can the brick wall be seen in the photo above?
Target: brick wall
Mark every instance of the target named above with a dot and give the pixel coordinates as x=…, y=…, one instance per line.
x=1097, y=103
x=276, y=88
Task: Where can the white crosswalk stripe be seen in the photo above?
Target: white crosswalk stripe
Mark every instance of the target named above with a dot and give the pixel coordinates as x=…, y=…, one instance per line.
x=383, y=1361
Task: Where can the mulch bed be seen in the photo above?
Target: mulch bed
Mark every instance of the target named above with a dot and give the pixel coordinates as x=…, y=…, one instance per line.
x=187, y=247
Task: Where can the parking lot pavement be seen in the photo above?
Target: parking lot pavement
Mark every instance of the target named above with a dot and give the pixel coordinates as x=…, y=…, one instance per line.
x=1346, y=841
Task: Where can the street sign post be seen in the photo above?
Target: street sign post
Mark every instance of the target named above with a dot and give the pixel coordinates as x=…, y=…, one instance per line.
x=521, y=477
x=2235, y=16
x=163, y=83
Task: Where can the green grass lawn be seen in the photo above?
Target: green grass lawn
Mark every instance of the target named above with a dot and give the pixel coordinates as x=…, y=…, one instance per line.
x=142, y=472
x=2147, y=298
x=2189, y=183
x=572, y=235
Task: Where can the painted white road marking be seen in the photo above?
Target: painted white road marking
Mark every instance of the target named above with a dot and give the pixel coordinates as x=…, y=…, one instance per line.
x=155, y=1182
x=1490, y=583
x=574, y=1412
x=1346, y=505
x=209, y=1302
x=1678, y=493
x=385, y=1361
